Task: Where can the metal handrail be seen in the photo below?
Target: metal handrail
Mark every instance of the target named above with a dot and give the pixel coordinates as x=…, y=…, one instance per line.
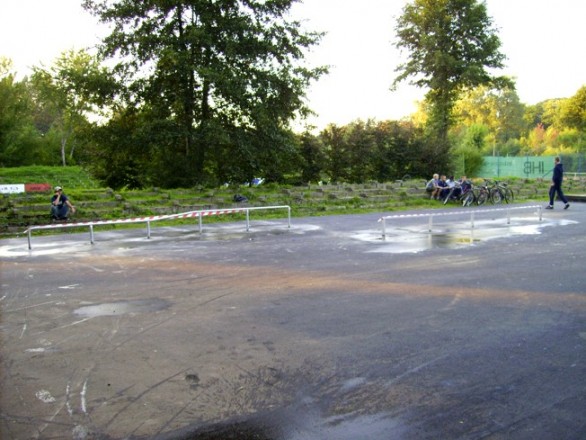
x=459, y=212
x=150, y=219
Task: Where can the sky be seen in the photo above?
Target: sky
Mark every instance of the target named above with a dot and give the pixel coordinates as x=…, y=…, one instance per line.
x=542, y=39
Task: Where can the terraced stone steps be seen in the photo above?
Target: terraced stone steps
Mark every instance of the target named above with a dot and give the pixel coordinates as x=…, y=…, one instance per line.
x=19, y=211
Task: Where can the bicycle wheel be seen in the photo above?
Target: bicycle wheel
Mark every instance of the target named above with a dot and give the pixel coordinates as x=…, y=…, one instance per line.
x=482, y=197
x=509, y=196
x=496, y=196
x=468, y=199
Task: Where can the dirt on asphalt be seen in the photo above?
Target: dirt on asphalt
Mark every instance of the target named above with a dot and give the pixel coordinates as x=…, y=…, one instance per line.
x=321, y=331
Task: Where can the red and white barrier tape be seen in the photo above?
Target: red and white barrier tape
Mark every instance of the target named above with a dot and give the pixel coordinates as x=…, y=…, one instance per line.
x=459, y=212
x=190, y=214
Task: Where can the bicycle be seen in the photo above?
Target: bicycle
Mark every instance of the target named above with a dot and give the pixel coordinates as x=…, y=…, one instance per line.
x=509, y=194
x=482, y=194
x=499, y=191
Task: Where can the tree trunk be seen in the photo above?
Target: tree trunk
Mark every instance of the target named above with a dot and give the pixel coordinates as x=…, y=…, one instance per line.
x=63, y=145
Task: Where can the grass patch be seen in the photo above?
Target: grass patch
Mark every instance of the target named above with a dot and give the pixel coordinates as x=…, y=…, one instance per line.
x=18, y=211
x=69, y=178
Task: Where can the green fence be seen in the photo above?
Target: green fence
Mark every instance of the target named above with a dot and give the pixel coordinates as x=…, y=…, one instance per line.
x=529, y=166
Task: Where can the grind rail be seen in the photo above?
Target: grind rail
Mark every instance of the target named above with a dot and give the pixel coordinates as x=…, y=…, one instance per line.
x=472, y=213
x=148, y=220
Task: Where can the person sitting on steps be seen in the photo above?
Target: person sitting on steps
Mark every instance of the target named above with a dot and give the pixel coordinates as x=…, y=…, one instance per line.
x=444, y=189
x=60, y=205
x=432, y=187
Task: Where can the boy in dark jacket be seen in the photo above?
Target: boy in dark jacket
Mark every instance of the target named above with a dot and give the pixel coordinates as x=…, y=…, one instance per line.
x=60, y=205
x=556, y=185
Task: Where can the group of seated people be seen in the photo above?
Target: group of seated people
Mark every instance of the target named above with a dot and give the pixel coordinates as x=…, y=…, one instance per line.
x=439, y=187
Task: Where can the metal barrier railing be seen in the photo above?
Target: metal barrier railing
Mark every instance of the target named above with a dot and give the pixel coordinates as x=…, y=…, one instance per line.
x=472, y=212
x=149, y=220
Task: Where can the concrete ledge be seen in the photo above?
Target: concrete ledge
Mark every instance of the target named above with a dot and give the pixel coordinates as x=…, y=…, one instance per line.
x=576, y=197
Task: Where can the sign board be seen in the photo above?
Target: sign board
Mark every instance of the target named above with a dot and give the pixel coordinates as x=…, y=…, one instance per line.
x=12, y=188
x=516, y=166
x=17, y=188
x=37, y=187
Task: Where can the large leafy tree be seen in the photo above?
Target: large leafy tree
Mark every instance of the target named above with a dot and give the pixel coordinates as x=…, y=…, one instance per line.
x=333, y=137
x=72, y=90
x=219, y=80
x=312, y=158
x=363, y=151
x=573, y=115
x=573, y=111
x=15, y=116
x=23, y=122
x=500, y=111
x=451, y=45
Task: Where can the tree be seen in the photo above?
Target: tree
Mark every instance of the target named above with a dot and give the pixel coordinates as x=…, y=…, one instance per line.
x=451, y=44
x=312, y=155
x=21, y=141
x=70, y=92
x=223, y=79
x=398, y=151
x=118, y=158
x=536, y=141
x=573, y=111
x=336, y=148
x=361, y=148
x=468, y=152
x=382, y=151
x=500, y=111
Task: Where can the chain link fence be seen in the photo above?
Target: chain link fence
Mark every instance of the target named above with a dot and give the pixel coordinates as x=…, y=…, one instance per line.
x=531, y=166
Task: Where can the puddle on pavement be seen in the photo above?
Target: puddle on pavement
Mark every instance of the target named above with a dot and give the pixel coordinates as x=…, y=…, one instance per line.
x=376, y=426
x=122, y=307
x=227, y=233
x=306, y=417
x=414, y=239
x=288, y=426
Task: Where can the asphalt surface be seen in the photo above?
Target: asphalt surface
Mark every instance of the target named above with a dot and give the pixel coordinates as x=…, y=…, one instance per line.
x=320, y=331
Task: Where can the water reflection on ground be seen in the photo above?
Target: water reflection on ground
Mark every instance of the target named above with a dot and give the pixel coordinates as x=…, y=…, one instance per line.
x=416, y=237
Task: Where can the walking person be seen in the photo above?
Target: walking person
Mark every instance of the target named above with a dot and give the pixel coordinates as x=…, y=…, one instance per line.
x=556, y=185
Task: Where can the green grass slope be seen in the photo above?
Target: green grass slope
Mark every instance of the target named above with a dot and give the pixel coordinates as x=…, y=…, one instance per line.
x=93, y=202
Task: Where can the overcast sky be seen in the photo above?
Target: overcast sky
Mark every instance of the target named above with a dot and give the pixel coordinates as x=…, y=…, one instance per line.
x=542, y=39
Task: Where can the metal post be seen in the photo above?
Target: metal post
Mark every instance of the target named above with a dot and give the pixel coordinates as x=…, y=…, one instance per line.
x=91, y=234
x=29, y=240
x=288, y=217
x=508, y=216
x=148, y=229
x=247, y=220
x=384, y=229
x=200, y=221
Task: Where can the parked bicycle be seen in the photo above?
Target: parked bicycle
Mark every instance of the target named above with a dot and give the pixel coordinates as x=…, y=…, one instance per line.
x=499, y=192
x=482, y=193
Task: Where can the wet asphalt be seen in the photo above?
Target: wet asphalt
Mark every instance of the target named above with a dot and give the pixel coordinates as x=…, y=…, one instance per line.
x=324, y=330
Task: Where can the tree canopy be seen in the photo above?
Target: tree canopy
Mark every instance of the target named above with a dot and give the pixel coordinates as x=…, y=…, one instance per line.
x=71, y=91
x=204, y=91
x=451, y=45
x=220, y=81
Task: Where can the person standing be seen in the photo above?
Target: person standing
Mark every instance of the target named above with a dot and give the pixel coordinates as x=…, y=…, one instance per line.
x=60, y=205
x=556, y=185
